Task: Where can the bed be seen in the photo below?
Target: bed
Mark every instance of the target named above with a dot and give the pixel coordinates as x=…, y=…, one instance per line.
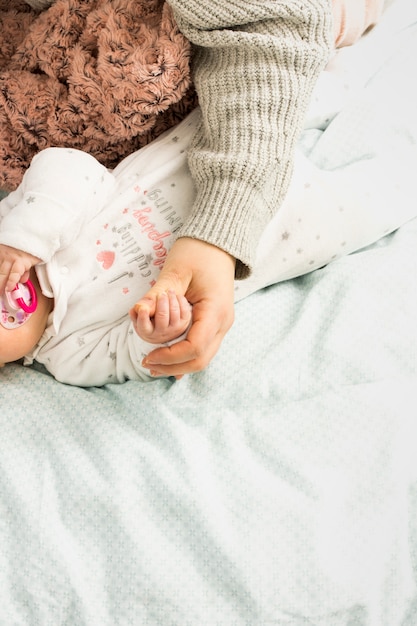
x=277, y=487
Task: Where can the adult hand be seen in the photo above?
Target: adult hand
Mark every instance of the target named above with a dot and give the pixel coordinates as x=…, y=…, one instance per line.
x=205, y=275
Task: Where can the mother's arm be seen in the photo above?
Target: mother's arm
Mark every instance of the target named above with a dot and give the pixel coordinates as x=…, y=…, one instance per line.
x=254, y=66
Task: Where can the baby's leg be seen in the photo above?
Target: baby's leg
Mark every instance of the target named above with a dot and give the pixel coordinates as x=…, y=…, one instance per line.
x=163, y=319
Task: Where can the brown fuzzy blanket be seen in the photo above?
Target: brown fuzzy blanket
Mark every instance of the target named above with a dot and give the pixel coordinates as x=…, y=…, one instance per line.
x=104, y=76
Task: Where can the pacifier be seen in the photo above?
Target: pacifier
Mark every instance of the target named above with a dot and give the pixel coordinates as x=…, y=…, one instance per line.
x=18, y=305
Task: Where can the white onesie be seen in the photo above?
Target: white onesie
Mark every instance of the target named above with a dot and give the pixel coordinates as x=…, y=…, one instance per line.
x=103, y=237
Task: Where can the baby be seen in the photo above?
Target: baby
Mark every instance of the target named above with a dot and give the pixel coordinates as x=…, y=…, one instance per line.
x=28, y=316
x=91, y=242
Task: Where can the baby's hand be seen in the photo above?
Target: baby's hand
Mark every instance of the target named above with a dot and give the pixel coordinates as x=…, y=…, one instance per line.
x=15, y=266
x=163, y=319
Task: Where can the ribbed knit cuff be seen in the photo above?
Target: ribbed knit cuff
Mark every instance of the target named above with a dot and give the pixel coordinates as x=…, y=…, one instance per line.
x=230, y=222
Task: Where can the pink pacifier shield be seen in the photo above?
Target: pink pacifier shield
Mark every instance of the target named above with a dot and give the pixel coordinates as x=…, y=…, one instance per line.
x=18, y=305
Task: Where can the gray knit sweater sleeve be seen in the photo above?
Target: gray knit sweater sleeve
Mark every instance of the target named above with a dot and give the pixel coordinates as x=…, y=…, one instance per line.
x=255, y=63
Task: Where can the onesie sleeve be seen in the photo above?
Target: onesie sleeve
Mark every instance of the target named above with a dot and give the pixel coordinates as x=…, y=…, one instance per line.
x=94, y=356
x=61, y=190
x=254, y=66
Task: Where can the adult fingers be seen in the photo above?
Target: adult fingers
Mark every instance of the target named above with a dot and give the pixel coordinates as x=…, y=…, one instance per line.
x=197, y=350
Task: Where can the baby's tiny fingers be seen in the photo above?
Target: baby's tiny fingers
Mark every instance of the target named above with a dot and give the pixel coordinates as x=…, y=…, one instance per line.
x=185, y=308
x=174, y=309
x=15, y=276
x=161, y=317
x=140, y=315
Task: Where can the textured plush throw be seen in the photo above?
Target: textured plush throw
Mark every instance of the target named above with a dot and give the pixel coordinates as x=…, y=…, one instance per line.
x=104, y=76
